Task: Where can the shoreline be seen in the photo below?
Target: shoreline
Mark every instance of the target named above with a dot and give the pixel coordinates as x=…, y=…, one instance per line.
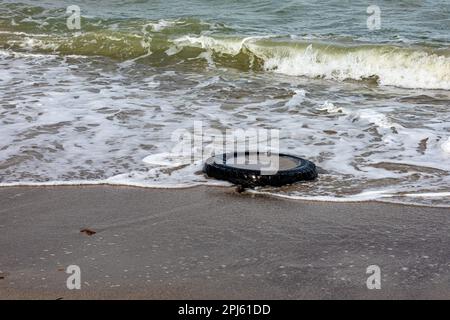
x=344, y=200
x=213, y=243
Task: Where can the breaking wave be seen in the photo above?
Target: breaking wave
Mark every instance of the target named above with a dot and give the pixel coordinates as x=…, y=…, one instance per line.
x=191, y=41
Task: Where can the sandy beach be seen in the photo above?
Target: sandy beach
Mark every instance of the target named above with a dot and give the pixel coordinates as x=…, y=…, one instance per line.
x=215, y=243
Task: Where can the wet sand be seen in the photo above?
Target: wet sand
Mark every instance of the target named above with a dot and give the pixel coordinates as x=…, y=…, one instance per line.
x=214, y=243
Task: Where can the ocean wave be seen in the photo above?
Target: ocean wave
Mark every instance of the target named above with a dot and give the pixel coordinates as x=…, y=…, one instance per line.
x=383, y=64
x=387, y=65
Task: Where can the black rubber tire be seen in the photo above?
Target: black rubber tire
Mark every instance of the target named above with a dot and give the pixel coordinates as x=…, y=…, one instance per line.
x=305, y=170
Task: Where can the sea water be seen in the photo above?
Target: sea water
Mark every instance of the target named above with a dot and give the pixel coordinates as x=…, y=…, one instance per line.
x=100, y=103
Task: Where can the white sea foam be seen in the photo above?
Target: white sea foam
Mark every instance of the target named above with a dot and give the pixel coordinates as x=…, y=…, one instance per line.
x=388, y=196
x=64, y=123
x=166, y=159
x=330, y=108
x=446, y=146
x=162, y=24
x=297, y=99
x=387, y=65
x=395, y=67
